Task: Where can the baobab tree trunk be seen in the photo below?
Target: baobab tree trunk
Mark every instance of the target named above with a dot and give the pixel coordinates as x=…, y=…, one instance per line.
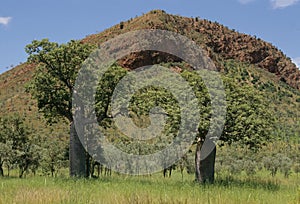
x=205, y=162
x=77, y=155
x=87, y=164
x=197, y=161
x=1, y=169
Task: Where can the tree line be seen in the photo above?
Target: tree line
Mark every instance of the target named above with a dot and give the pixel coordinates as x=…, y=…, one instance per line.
x=22, y=150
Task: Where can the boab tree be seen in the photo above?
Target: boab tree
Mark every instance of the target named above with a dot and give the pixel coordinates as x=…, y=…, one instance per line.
x=248, y=120
x=52, y=87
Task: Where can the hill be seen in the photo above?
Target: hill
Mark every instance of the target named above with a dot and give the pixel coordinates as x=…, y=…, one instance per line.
x=220, y=42
x=242, y=57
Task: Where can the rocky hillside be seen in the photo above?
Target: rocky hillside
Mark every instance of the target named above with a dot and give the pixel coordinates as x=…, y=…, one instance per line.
x=220, y=42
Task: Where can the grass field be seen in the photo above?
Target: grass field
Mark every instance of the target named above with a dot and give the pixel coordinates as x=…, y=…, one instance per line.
x=150, y=189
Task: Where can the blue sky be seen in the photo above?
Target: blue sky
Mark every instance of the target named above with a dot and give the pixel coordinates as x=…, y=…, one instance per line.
x=276, y=21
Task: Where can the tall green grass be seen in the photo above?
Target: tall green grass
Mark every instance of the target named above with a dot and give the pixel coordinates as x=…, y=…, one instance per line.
x=150, y=189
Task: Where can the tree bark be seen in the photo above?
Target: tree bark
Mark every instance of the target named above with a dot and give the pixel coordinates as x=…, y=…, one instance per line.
x=1, y=169
x=197, y=161
x=77, y=155
x=205, y=157
x=87, y=164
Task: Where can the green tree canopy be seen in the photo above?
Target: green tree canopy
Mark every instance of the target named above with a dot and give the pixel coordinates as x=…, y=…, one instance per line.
x=55, y=75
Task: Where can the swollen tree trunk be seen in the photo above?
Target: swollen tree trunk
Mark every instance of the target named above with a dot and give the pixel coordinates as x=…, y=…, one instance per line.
x=1, y=169
x=77, y=155
x=205, y=162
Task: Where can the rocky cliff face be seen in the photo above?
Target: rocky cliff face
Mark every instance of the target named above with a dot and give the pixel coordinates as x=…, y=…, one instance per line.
x=220, y=42
x=233, y=45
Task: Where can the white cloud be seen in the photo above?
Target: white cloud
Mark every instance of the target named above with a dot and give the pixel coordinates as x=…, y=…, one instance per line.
x=245, y=1
x=297, y=61
x=5, y=20
x=277, y=4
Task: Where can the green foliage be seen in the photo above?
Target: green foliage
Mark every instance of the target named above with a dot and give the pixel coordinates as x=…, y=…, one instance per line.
x=278, y=162
x=17, y=146
x=54, y=79
x=280, y=98
x=296, y=168
x=203, y=98
x=53, y=154
x=272, y=164
x=140, y=104
x=248, y=117
x=105, y=90
x=273, y=158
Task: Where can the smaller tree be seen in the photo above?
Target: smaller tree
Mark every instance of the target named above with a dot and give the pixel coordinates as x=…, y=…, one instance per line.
x=53, y=151
x=296, y=168
x=17, y=147
x=272, y=164
x=285, y=165
x=4, y=149
x=4, y=144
